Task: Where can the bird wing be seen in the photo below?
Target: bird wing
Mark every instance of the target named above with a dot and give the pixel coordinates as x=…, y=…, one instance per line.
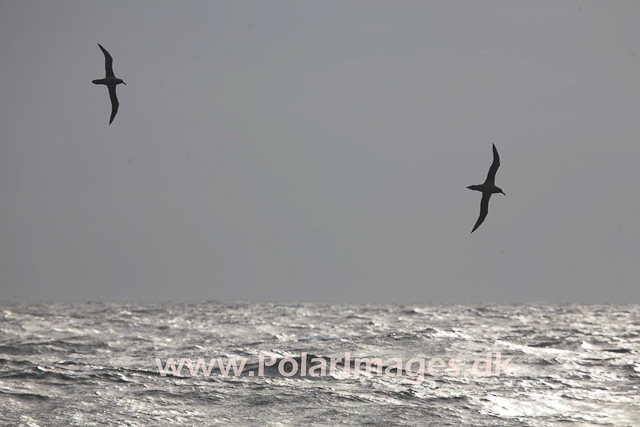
x=484, y=210
x=108, y=62
x=114, y=102
x=491, y=176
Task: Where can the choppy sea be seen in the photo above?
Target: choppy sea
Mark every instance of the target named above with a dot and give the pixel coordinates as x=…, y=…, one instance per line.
x=94, y=364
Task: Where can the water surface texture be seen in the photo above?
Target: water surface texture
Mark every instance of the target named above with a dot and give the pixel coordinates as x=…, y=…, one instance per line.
x=85, y=364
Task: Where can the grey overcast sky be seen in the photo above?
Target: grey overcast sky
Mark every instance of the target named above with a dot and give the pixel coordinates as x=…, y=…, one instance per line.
x=320, y=150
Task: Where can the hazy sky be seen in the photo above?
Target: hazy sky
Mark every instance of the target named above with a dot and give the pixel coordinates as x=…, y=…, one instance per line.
x=320, y=150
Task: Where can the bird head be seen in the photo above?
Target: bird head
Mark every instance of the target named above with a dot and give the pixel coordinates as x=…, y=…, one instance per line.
x=122, y=81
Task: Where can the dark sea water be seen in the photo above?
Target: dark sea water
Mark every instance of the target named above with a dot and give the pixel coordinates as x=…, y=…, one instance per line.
x=94, y=364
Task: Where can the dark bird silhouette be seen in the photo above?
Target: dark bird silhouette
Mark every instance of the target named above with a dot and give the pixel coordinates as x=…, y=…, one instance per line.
x=111, y=81
x=488, y=188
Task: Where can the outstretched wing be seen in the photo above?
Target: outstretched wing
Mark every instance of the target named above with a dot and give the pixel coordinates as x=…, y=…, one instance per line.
x=108, y=62
x=484, y=210
x=114, y=102
x=491, y=176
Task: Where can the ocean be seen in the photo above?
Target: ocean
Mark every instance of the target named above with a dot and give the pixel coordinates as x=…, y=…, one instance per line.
x=106, y=364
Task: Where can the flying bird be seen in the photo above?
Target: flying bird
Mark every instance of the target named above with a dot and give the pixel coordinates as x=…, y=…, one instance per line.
x=111, y=81
x=487, y=189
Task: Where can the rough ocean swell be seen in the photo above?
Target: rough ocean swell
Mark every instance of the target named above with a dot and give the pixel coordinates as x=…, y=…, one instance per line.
x=85, y=364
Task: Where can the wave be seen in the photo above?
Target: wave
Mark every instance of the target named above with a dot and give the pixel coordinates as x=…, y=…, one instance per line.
x=25, y=396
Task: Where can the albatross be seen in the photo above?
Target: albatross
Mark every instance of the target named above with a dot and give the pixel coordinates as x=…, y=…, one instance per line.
x=487, y=189
x=111, y=81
